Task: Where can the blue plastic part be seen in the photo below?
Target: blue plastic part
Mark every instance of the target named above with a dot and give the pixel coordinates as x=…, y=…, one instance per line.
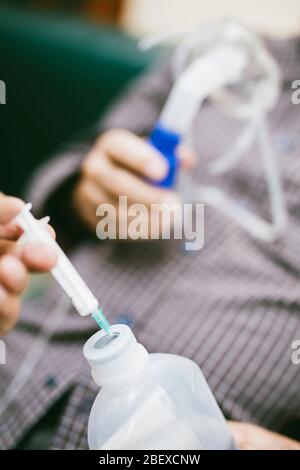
x=166, y=142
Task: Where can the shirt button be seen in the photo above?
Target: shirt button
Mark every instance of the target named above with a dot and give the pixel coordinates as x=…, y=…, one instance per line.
x=285, y=144
x=50, y=382
x=125, y=319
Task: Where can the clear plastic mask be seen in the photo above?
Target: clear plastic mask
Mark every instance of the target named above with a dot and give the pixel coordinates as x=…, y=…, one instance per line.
x=248, y=100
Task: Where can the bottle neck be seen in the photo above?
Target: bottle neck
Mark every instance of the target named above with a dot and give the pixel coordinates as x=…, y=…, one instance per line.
x=124, y=372
x=117, y=363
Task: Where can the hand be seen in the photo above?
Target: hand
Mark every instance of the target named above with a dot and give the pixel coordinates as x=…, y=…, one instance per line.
x=16, y=262
x=251, y=437
x=119, y=164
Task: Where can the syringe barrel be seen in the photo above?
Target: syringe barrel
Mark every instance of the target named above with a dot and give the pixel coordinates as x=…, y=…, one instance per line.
x=64, y=272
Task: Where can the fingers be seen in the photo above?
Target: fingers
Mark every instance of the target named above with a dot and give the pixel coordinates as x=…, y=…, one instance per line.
x=10, y=306
x=119, y=159
x=51, y=231
x=118, y=181
x=38, y=257
x=187, y=157
x=16, y=262
x=13, y=275
x=9, y=208
x=32, y=257
x=240, y=436
x=133, y=153
x=139, y=156
x=13, y=280
x=122, y=164
x=90, y=193
x=7, y=246
x=10, y=231
x=252, y=437
x=87, y=196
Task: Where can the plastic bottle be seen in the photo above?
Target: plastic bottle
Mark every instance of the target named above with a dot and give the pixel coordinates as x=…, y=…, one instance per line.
x=149, y=401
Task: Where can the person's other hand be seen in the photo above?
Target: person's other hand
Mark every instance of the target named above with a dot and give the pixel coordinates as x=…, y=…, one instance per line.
x=119, y=164
x=251, y=437
x=16, y=262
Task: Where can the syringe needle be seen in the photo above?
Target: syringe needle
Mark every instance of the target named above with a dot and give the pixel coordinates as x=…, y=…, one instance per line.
x=102, y=321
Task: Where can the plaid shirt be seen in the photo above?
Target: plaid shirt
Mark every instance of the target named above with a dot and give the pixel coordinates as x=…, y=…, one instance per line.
x=234, y=307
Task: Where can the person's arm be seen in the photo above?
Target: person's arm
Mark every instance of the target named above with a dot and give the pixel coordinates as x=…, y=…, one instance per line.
x=16, y=262
x=251, y=437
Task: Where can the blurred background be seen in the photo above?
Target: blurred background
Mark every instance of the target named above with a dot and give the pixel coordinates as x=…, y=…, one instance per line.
x=279, y=18
x=65, y=61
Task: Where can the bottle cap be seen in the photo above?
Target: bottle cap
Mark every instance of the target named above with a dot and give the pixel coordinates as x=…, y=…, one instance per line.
x=116, y=360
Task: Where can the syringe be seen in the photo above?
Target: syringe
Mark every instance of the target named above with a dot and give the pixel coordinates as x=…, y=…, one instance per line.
x=64, y=272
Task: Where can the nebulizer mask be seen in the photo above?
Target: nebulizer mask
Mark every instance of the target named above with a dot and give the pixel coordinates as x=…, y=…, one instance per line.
x=228, y=64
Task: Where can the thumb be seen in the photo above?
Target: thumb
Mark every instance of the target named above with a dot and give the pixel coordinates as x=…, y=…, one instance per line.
x=9, y=208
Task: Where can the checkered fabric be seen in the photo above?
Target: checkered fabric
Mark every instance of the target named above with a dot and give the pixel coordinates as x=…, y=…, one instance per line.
x=234, y=307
